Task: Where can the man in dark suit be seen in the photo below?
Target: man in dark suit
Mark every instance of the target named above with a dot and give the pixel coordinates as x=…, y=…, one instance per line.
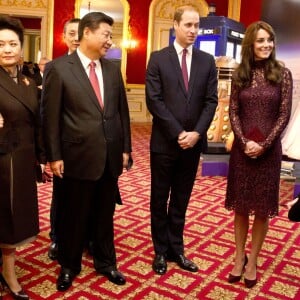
x=87, y=135
x=181, y=116
x=70, y=36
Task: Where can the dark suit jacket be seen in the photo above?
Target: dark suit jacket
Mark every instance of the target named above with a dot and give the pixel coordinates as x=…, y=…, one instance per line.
x=76, y=130
x=173, y=109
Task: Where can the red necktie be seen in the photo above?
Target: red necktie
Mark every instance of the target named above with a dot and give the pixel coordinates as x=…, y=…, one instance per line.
x=95, y=83
x=184, y=69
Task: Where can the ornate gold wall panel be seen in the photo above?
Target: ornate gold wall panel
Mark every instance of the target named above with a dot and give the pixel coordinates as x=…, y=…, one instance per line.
x=24, y=3
x=234, y=9
x=37, y=9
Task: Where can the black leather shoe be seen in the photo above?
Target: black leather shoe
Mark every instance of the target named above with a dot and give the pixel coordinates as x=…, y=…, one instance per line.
x=115, y=277
x=65, y=279
x=159, y=265
x=53, y=251
x=185, y=263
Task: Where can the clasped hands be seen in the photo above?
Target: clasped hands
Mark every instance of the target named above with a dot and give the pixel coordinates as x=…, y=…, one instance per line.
x=253, y=149
x=188, y=139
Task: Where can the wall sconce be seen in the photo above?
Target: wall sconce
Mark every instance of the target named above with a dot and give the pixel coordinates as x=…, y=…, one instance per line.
x=129, y=43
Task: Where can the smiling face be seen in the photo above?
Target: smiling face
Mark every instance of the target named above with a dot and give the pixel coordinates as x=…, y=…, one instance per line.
x=10, y=48
x=187, y=28
x=263, y=45
x=96, y=43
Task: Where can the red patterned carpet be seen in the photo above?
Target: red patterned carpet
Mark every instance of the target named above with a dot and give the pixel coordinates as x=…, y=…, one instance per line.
x=208, y=240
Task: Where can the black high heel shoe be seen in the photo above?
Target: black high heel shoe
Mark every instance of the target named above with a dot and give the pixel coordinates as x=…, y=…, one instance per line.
x=249, y=283
x=21, y=295
x=234, y=278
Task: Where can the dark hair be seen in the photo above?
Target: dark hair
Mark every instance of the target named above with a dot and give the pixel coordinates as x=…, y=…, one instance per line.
x=92, y=21
x=12, y=24
x=273, y=68
x=75, y=20
x=180, y=10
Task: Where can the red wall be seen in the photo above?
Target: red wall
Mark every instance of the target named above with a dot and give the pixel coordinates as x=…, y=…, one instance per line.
x=136, y=58
x=63, y=11
x=250, y=11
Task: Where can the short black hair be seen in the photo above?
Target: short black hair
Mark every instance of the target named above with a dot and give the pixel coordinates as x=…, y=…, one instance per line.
x=75, y=20
x=13, y=24
x=92, y=21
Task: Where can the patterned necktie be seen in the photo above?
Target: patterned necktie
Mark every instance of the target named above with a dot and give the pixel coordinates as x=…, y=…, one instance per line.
x=95, y=83
x=184, y=69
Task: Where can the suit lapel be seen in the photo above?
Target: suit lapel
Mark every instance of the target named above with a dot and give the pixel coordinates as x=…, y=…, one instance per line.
x=18, y=91
x=106, y=82
x=195, y=62
x=80, y=74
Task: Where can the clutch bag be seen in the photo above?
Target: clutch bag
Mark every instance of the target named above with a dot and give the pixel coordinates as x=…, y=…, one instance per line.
x=254, y=134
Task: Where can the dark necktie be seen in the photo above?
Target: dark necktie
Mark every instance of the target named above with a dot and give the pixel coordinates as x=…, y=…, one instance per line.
x=184, y=69
x=95, y=83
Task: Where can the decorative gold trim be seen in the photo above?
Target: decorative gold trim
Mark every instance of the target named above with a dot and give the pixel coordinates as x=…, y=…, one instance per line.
x=50, y=20
x=135, y=86
x=77, y=8
x=234, y=9
x=125, y=36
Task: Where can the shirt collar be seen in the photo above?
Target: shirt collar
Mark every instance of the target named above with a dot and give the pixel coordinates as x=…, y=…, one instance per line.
x=85, y=60
x=179, y=48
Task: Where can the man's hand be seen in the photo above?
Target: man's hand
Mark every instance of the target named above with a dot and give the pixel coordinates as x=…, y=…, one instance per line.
x=188, y=139
x=57, y=167
x=1, y=121
x=125, y=160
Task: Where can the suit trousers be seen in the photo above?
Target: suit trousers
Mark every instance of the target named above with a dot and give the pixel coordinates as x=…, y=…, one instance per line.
x=53, y=208
x=172, y=178
x=83, y=206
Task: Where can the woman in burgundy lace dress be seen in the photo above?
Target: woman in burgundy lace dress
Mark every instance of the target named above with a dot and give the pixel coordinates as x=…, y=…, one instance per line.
x=260, y=106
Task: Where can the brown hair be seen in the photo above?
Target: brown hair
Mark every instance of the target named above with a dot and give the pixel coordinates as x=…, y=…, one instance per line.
x=180, y=10
x=273, y=68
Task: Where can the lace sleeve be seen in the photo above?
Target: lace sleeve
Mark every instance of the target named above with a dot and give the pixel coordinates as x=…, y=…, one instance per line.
x=234, y=115
x=284, y=110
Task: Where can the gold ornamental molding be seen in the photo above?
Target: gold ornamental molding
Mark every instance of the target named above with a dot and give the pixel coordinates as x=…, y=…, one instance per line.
x=166, y=9
x=24, y=3
x=234, y=9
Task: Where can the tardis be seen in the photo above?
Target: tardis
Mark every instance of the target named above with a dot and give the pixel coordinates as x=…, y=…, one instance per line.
x=220, y=36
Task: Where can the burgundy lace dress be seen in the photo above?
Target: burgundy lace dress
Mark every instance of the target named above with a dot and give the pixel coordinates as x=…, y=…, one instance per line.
x=259, y=112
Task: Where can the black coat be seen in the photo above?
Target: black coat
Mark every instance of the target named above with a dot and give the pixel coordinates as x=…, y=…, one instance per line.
x=21, y=148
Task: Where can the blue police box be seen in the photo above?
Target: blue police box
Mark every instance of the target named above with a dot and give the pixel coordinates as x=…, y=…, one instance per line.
x=219, y=36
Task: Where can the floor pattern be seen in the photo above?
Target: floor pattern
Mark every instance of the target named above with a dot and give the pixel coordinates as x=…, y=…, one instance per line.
x=208, y=241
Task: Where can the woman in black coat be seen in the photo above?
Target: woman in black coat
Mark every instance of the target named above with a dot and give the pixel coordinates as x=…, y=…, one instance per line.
x=20, y=150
